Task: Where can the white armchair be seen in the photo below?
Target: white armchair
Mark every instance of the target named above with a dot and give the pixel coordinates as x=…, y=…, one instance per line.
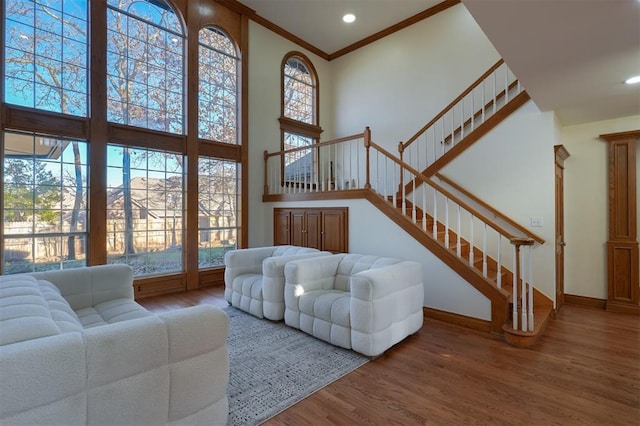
x=254, y=278
x=364, y=303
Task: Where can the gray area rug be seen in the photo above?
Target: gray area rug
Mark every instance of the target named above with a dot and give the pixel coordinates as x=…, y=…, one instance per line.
x=273, y=366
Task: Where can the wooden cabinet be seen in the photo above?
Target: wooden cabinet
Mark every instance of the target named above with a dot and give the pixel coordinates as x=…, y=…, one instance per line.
x=321, y=228
x=622, y=246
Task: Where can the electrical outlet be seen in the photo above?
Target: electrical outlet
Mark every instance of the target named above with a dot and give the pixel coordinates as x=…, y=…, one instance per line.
x=536, y=222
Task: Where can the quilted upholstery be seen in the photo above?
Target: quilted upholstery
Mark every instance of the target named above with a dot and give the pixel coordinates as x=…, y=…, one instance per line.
x=359, y=302
x=254, y=278
x=102, y=359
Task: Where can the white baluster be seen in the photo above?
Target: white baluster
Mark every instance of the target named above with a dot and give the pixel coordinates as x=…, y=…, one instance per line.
x=434, y=145
x=471, y=241
x=530, y=262
x=514, y=291
x=499, y=277
x=484, y=251
x=446, y=222
x=495, y=89
x=523, y=289
x=473, y=109
x=358, y=150
x=435, y=214
x=393, y=185
x=462, y=120
x=459, y=234
x=453, y=118
x=443, y=137
x=404, y=192
x=506, y=85
x=413, y=202
x=484, y=100
x=424, y=207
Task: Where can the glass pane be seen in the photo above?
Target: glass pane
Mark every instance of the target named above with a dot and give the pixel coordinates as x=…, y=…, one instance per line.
x=299, y=92
x=145, y=210
x=44, y=203
x=145, y=72
x=46, y=54
x=218, y=187
x=218, y=90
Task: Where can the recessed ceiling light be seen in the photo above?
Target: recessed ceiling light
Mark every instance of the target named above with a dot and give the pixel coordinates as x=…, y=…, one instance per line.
x=633, y=80
x=349, y=18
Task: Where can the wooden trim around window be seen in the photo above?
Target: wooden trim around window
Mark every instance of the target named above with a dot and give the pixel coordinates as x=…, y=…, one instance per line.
x=300, y=128
x=50, y=123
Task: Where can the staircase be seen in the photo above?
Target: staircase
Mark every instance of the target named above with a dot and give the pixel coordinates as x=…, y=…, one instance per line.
x=483, y=246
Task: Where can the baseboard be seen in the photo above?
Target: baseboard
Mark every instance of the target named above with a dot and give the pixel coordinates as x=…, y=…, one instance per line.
x=589, y=302
x=622, y=308
x=457, y=319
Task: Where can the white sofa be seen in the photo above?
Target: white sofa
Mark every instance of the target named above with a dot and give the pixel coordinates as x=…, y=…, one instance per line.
x=76, y=349
x=254, y=278
x=359, y=302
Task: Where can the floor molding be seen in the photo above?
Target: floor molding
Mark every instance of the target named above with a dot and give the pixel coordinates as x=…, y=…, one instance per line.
x=458, y=319
x=589, y=302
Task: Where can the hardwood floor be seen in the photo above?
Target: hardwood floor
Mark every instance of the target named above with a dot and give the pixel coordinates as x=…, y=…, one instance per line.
x=585, y=370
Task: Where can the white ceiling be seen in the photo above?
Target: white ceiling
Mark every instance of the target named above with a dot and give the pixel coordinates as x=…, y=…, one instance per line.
x=319, y=22
x=572, y=56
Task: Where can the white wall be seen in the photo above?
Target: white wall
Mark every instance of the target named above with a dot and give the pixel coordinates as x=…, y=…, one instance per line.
x=586, y=204
x=266, y=51
x=397, y=84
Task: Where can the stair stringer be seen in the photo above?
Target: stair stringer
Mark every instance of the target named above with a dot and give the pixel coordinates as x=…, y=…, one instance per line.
x=499, y=298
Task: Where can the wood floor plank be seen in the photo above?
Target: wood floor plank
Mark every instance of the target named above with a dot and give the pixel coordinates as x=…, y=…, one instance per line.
x=585, y=370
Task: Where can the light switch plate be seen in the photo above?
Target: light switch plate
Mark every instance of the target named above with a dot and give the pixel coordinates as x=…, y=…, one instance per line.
x=536, y=222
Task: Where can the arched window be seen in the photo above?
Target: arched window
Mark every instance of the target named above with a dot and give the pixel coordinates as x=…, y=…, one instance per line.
x=299, y=92
x=45, y=50
x=145, y=65
x=299, y=118
x=218, y=87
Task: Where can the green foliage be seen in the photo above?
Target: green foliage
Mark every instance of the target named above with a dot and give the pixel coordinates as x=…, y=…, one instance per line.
x=30, y=187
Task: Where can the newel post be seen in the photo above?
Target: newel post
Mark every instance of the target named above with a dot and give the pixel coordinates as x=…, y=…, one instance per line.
x=266, y=184
x=367, y=145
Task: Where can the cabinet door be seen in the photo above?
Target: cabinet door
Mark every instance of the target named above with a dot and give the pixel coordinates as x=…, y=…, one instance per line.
x=297, y=228
x=281, y=226
x=335, y=232
x=313, y=227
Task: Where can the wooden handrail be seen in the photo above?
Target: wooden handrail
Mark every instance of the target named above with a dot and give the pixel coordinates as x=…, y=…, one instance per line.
x=453, y=103
x=317, y=145
x=493, y=211
x=489, y=221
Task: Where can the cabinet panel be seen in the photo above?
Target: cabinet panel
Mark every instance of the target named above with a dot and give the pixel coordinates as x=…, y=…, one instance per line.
x=324, y=229
x=313, y=229
x=297, y=228
x=281, y=225
x=335, y=234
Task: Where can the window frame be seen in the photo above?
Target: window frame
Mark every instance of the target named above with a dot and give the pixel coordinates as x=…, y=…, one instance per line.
x=296, y=127
x=99, y=133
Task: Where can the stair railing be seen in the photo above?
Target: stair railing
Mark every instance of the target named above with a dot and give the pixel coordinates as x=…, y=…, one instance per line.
x=356, y=163
x=334, y=165
x=473, y=236
x=473, y=107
